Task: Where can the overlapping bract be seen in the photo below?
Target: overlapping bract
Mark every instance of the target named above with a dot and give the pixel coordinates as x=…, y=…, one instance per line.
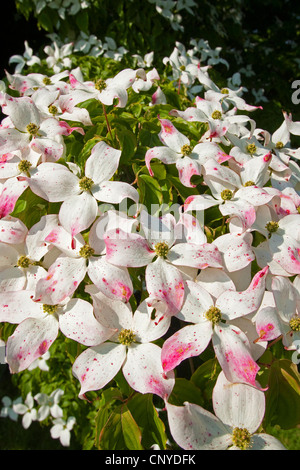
x=206, y=283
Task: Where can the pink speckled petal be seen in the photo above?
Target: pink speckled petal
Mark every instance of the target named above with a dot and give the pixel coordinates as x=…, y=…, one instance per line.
x=196, y=302
x=11, y=139
x=63, y=278
x=241, y=210
x=12, y=230
x=54, y=182
x=164, y=282
x=22, y=111
x=286, y=297
x=144, y=373
x=31, y=339
x=149, y=323
x=79, y=323
x=194, y=428
x=78, y=212
x=127, y=249
x=35, y=241
x=200, y=202
x=215, y=281
x=164, y=154
x=186, y=169
x=238, y=405
x=208, y=150
x=196, y=256
x=216, y=175
x=97, y=365
x=49, y=148
x=10, y=193
x=171, y=137
x=236, y=251
x=111, y=313
x=187, y=342
x=113, y=281
x=102, y=163
x=268, y=325
x=233, y=353
x=17, y=306
x=286, y=252
x=114, y=192
x=237, y=304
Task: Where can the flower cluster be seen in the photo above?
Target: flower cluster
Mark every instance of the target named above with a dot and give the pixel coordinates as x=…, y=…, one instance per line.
x=48, y=408
x=189, y=270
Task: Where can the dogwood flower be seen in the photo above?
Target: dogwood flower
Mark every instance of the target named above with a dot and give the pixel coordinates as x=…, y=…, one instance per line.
x=20, y=265
x=281, y=317
x=280, y=250
x=49, y=404
x=55, y=182
x=210, y=320
x=58, y=57
x=61, y=430
x=26, y=85
x=7, y=410
x=226, y=96
x=220, y=122
x=129, y=348
x=28, y=58
x=29, y=129
x=27, y=410
x=106, y=91
x=161, y=249
x=78, y=258
x=238, y=413
x=237, y=194
x=177, y=150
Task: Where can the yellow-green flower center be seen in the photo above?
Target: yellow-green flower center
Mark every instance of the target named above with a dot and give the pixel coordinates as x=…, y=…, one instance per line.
x=161, y=249
x=46, y=81
x=24, y=262
x=224, y=91
x=249, y=183
x=50, y=309
x=272, y=226
x=182, y=68
x=295, y=323
x=100, y=84
x=216, y=114
x=126, y=337
x=86, y=251
x=251, y=148
x=52, y=109
x=214, y=315
x=32, y=129
x=86, y=183
x=226, y=194
x=241, y=438
x=186, y=149
x=279, y=145
x=24, y=166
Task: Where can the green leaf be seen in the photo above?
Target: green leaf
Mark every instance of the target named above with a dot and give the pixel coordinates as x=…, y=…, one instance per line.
x=283, y=395
x=147, y=418
x=82, y=21
x=205, y=377
x=117, y=430
x=86, y=151
x=150, y=192
x=185, y=390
